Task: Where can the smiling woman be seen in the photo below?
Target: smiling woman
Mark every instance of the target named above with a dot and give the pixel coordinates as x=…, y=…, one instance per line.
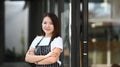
x=46, y=49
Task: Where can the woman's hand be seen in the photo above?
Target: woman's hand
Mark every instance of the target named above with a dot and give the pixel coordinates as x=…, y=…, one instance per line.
x=30, y=52
x=51, y=57
x=32, y=58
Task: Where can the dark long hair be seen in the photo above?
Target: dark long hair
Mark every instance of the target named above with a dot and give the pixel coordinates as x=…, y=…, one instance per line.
x=56, y=25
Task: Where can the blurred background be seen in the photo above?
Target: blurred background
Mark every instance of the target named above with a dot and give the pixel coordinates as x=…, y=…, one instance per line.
x=90, y=30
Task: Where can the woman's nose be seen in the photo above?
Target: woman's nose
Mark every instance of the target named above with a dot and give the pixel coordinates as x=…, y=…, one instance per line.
x=47, y=25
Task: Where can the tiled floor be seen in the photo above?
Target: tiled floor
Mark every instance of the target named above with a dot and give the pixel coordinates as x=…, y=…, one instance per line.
x=15, y=64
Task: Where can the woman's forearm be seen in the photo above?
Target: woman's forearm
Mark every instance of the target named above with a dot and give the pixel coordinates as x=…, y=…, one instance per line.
x=34, y=58
x=53, y=57
x=49, y=60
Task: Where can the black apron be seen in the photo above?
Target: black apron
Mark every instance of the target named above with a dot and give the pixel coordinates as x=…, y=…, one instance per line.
x=43, y=50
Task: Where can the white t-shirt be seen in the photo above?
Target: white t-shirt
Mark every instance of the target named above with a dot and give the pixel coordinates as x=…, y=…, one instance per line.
x=57, y=42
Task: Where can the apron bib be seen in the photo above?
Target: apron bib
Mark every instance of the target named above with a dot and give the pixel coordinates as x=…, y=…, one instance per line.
x=43, y=50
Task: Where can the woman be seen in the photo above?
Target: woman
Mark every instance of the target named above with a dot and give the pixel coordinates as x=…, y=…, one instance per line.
x=45, y=50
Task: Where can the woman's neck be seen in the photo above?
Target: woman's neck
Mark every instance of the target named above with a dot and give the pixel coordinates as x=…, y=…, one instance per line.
x=48, y=35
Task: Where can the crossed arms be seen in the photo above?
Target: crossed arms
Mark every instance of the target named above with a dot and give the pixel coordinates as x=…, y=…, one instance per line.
x=50, y=58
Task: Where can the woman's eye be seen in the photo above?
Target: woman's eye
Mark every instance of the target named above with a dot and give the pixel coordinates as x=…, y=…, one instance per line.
x=44, y=22
x=50, y=23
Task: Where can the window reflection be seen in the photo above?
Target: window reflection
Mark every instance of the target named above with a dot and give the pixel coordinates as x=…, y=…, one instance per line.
x=15, y=31
x=16, y=21
x=104, y=34
x=65, y=33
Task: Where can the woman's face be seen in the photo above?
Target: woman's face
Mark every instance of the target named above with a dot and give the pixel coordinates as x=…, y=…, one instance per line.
x=47, y=26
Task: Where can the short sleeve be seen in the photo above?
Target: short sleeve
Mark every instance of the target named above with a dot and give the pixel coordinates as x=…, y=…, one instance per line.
x=35, y=41
x=57, y=42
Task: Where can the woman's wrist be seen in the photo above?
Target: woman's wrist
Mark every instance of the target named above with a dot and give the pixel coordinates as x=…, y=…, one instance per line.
x=46, y=56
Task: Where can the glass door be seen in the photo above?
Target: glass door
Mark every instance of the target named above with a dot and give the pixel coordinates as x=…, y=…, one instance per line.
x=104, y=33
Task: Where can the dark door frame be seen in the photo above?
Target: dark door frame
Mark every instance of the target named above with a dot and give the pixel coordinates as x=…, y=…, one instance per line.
x=85, y=34
x=79, y=33
x=2, y=31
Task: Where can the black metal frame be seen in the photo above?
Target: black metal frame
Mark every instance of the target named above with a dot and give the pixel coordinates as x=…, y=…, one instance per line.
x=79, y=20
x=75, y=33
x=85, y=34
x=2, y=31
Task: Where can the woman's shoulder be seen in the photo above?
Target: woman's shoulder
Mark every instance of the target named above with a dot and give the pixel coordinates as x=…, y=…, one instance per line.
x=58, y=38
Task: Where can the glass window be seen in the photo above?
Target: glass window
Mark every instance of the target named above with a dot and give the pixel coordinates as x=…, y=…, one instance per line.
x=16, y=30
x=104, y=33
